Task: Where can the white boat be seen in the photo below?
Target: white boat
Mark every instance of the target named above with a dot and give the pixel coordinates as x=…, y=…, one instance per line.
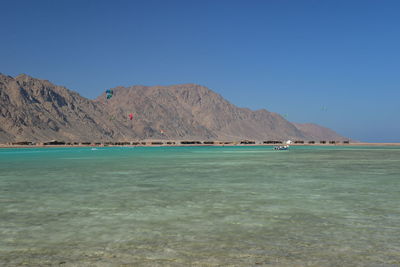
x=286, y=147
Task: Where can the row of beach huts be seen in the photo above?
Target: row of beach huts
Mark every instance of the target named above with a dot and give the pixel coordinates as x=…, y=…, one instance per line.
x=160, y=143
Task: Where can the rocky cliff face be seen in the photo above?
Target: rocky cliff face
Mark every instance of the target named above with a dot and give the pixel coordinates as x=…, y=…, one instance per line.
x=318, y=133
x=193, y=111
x=37, y=110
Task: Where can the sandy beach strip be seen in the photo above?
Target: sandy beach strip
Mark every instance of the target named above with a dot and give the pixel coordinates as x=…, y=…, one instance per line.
x=179, y=144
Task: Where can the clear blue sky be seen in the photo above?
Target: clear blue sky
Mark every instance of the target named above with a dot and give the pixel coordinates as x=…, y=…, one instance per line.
x=335, y=63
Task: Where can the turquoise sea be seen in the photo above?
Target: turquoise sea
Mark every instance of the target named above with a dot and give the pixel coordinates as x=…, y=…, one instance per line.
x=200, y=206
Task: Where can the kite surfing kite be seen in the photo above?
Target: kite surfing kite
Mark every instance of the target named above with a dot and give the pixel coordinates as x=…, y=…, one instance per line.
x=109, y=93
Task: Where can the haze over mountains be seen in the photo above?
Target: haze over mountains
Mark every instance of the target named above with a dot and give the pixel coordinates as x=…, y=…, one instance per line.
x=37, y=110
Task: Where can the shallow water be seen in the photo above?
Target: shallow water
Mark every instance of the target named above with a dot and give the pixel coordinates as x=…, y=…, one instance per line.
x=200, y=206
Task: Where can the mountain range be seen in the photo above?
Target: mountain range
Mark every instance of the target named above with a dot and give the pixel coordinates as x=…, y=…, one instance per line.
x=37, y=110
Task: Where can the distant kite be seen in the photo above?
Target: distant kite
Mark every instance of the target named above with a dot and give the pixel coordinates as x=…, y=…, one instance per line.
x=109, y=93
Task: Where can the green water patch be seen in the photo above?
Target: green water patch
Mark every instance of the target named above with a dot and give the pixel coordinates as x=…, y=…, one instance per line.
x=200, y=206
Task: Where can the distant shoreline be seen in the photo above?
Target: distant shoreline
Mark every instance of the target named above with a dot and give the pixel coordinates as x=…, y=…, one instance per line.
x=177, y=144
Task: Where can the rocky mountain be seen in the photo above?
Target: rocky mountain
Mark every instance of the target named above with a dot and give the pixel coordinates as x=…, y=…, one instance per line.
x=37, y=110
x=317, y=132
x=193, y=111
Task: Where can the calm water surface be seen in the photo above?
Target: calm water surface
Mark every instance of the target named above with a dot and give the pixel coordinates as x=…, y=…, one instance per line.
x=200, y=206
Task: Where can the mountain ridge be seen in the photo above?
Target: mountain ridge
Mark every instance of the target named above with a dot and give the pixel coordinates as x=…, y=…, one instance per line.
x=37, y=110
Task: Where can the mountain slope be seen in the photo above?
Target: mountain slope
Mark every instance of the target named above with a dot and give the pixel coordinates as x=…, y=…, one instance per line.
x=190, y=111
x=194, y=111
x=318, y=133
x=37, y=110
